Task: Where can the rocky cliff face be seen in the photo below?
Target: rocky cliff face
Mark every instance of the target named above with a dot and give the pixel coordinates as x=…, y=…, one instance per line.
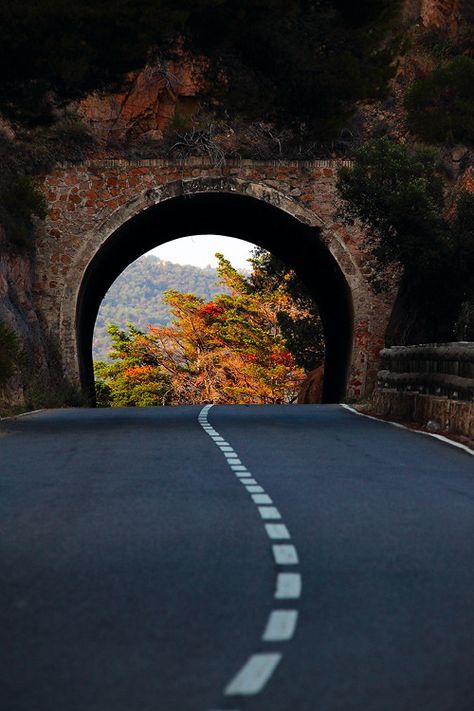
x=149, y=101
x=447, y=15
x=18, y=313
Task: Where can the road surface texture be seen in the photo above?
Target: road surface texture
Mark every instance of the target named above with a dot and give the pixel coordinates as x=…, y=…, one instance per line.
x=253, y=558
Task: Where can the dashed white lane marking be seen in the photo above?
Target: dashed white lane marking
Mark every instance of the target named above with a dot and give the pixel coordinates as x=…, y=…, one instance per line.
x=277, y=531
x=281, y=626
x=285, y=554
x=288, y=586
x=261, y=499
x=255, y=489
x=254, y=675
x=269, y=512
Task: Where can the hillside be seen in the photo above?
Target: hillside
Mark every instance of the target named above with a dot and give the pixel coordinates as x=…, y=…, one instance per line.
x=136, y=295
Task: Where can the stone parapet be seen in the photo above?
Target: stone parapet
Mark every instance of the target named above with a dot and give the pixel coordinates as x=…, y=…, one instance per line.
x=431, y=384
x=440, y=369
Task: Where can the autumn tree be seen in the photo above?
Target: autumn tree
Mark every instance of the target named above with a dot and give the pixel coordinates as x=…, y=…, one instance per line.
x=134, y=378
x=227, y=350
x=297, y=314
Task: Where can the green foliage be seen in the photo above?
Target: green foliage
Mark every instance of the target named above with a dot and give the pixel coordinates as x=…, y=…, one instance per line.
x=299, y=319
x=49, y=387
x=398, y=195
x=58, y=392
x=20, y=198
x=134, y=379
x=464, y=329
x=296, y=61
x=136, y=296
x=229, y=349
x=68, y=49
x=439, y=44
x=10, y=353
x=34, y=151
x=441, y=106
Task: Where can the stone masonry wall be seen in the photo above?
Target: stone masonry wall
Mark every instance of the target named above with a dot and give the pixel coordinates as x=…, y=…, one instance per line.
x=88, y=202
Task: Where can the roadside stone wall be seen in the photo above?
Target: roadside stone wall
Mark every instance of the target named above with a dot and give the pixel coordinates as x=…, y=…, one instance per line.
x=430, y=384
x=88, y=202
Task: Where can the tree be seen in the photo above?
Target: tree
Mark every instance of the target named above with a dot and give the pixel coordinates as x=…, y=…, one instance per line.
x=134, y=378
x=440, y=106
x=298, y=62
x=64, y=50
x=301, y=61
x=229, y=349
x=398, y=195
x=297, y=314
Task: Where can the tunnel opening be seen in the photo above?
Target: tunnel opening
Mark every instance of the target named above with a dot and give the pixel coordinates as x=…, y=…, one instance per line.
x=297, y=244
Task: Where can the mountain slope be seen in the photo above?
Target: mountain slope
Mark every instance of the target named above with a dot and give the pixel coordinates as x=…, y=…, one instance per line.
x=136, y=295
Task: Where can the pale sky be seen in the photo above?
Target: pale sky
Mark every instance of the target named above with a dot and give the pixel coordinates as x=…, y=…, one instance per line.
x=199, y=250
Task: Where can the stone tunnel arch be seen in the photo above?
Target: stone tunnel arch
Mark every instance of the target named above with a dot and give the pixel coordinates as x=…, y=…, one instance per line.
x=104, y=214
x=224, y=211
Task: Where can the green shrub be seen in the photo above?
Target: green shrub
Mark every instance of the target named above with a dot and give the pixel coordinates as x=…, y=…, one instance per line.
x=439, y=44
x=59, y=392
x=441, y=106
x=34, y=152
x=397, y=192
x=10, y=353
x=464, y=329
x=20, y=199
x=51, y=388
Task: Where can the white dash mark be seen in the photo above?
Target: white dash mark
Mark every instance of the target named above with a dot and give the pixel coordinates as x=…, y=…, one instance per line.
x=277, y=531
x=281, y=626
x=254, y=675
x=226, y=448
x=238, y=468
x=255, y=489
x=285, y=555
x=261, y=499
x=241, y=474
x=288, y=586
x=269, y=512
x=248, y=481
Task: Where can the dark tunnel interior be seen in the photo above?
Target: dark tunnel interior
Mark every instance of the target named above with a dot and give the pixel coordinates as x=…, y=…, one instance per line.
x=297, y=244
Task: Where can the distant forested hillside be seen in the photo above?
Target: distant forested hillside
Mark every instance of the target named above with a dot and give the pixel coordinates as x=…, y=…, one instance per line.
x=136, y=296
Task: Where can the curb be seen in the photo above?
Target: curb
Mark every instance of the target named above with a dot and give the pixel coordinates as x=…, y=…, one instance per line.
x=464, y=447
x=22, y=414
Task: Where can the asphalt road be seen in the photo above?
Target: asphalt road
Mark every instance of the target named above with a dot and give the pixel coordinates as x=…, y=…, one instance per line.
x=141, y=570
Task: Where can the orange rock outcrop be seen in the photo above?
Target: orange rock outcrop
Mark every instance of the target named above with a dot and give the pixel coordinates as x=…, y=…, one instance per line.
x=149, y=101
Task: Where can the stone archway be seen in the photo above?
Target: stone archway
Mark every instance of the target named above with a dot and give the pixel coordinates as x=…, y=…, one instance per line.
x=101, y=237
